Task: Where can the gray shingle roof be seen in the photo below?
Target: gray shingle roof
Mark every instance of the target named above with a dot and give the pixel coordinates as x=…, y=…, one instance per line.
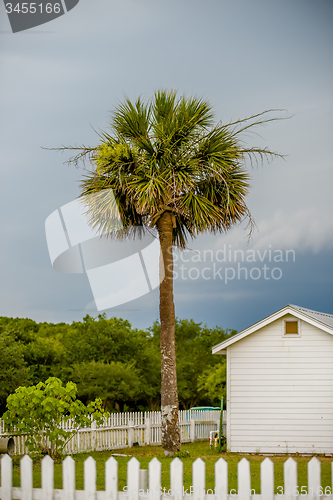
x=327, y=319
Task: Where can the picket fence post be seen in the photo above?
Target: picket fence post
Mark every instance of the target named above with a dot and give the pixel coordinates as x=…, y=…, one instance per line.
x=47, y=465
x=93, y=435
x=130, y=433
x=176, y=478
x=221, y=479
x=111, y=479
x=267, y=479
x=199, y=479
x=244, y=479
x=147, y=430
x=78, y=442
x=192, y=430
x=290, y=479
x=68, y=478
x=314, y=478
x=155, y=473
x=133, y=473
x=26, y=477
x=89, y=468
x=6, y=477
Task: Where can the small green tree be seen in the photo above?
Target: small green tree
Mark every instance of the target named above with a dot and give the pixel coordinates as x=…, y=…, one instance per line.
x=13, y=368
x=40, y=410
x=113, y=382
x=212, y=382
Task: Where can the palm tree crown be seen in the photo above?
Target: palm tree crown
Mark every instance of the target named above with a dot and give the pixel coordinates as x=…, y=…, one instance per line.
x=166, y=155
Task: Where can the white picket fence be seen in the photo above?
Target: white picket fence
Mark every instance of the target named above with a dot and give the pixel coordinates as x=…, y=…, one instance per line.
x=137, y=490
x=121, y=430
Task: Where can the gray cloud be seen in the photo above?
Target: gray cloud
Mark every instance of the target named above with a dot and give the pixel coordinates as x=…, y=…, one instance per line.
x=59, y=79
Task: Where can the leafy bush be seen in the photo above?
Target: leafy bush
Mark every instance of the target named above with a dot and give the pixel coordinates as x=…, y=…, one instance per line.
x=39, y=411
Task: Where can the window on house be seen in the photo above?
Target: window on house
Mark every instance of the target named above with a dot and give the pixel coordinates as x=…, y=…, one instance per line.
x=291, y=327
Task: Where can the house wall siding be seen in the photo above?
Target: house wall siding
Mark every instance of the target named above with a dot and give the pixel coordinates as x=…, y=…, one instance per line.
x=280, y=391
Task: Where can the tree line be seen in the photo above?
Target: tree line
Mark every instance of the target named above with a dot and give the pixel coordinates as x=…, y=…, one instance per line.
x=109, y=359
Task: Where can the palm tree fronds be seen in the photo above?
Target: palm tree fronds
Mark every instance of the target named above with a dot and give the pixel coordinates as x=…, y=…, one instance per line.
x=167, y=155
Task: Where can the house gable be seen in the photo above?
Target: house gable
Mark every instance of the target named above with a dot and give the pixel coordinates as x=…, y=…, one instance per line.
x=319, y=320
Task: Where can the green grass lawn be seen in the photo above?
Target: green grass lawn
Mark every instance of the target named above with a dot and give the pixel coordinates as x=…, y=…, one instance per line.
x=199, y=449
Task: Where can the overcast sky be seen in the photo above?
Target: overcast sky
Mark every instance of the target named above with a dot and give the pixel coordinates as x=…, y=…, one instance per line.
x=59, y=82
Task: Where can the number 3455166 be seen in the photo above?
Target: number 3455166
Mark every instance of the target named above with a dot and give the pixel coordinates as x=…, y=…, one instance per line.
x=33, y=8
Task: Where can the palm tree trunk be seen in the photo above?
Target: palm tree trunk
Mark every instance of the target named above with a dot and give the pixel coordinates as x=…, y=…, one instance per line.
x=169, y=394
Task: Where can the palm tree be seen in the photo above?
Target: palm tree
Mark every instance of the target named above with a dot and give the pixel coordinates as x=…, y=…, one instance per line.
x=170, y=168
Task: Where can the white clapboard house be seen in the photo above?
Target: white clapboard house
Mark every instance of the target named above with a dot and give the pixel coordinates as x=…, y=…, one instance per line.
x=280, y=384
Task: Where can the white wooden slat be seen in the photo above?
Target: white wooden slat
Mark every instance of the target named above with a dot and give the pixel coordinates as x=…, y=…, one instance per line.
x=297, y=434
x=26, y=478
x=314, y=478
x=111, y=479
x=264, y=405
x=284, y=413
x=281, y=353
x=244, y=479
x=283, y=365
x=270, y=448
x=282, y=381
x=47, y=477
x=312, y=345
x=147, y=430
x=130, y=433
x=282, y=397
x=287, y=445
x=283, y=377
x=221, y=479
x=192, y=430
x=78, y=442
x=199, y=479
x=154, y=485
x=133, y=472
x=256, y=371
x=6, y=477
x=68, y=478
x=176, y=478
x=286, y=418
x=267, y=479
x=89, y=470
x=290, y=479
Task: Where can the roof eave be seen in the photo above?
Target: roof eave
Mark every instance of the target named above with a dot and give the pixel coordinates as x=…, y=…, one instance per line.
x=217, y=349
